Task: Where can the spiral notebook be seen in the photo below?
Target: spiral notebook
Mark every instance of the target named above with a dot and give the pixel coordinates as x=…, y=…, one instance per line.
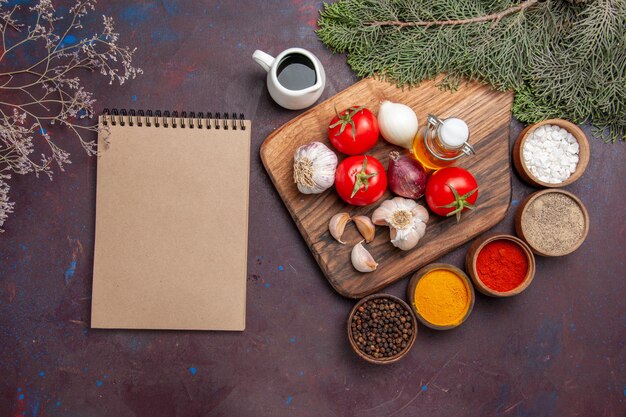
x=171, y=221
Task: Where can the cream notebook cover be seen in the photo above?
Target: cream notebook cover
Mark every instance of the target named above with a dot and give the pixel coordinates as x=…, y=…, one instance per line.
x=171, y=222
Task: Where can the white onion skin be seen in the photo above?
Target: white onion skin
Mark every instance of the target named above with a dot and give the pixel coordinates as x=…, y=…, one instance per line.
x=405, y=176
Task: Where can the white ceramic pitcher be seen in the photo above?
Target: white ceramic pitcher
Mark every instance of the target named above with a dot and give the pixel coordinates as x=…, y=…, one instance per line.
x=290, y=98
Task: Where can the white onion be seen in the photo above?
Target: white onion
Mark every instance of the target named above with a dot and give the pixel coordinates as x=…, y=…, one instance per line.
x=397, y=123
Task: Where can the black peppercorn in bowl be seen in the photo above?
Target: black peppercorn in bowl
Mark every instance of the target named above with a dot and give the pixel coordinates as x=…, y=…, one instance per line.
x=381, y=328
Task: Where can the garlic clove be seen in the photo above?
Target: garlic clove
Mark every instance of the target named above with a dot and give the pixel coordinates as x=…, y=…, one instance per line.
x=420, y=213
x=379, y=217
x=405, y=203
x=408, y=238
x=383, y=212
x=337, y=225
x=366, y=227
x=407, y=242
x=420, y=228
x=362, y=260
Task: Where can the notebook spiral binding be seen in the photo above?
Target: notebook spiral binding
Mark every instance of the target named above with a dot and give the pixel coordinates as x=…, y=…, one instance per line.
x=192, y=120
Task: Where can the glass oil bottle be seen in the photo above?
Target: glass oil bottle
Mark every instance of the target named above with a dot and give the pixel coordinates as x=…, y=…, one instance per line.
x=441, y=142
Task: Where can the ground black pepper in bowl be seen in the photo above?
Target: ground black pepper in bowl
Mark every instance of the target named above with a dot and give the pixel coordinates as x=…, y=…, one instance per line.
x=381, y=328
x=552, y=222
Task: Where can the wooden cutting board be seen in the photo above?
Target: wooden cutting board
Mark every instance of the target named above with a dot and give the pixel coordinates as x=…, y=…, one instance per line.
x=487, y=113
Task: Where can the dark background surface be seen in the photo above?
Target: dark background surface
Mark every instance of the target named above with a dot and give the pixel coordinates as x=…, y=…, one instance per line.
x=555, y=350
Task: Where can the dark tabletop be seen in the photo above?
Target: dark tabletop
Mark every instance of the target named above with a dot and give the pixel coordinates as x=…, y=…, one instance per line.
x=555, y=350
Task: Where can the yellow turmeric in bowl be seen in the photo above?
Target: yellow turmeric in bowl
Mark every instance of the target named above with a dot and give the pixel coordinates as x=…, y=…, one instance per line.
x=442, y=298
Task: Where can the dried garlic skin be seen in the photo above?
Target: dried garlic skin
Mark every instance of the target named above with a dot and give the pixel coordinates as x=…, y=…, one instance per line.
x=406, y=219
x=314, y=166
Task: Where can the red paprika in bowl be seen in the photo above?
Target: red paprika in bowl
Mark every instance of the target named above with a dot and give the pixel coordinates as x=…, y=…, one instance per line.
x=500, y=265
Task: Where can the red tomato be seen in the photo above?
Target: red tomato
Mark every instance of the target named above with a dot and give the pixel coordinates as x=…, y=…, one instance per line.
x=450, y=191
x=354, y=131
x=360, y=180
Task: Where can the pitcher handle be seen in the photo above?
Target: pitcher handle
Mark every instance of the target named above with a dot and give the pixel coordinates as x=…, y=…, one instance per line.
x=263, y=59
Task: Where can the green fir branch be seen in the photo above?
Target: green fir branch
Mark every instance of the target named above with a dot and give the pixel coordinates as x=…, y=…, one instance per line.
x=562, y=59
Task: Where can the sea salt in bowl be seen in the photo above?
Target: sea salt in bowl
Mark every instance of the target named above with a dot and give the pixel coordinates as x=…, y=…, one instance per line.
x=525, y=170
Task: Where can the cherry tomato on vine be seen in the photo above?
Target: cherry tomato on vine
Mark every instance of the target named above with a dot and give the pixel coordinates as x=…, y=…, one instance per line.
x=354, y=131
x=360, y=180
x=451, y=191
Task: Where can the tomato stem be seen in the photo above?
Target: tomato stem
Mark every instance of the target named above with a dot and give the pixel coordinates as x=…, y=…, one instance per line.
x=345, y=119
x=361, y=179
x=460, y=203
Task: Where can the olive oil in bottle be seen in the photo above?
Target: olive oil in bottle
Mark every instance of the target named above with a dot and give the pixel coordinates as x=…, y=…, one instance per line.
x=441, y=142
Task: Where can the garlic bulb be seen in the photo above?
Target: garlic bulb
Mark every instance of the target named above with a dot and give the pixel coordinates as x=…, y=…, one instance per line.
x=362, y=260
x=314, y=166
x=397, y=123
x=406, y=219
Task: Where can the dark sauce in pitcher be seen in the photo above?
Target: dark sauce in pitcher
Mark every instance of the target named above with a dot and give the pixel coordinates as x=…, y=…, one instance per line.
x=296, y=72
